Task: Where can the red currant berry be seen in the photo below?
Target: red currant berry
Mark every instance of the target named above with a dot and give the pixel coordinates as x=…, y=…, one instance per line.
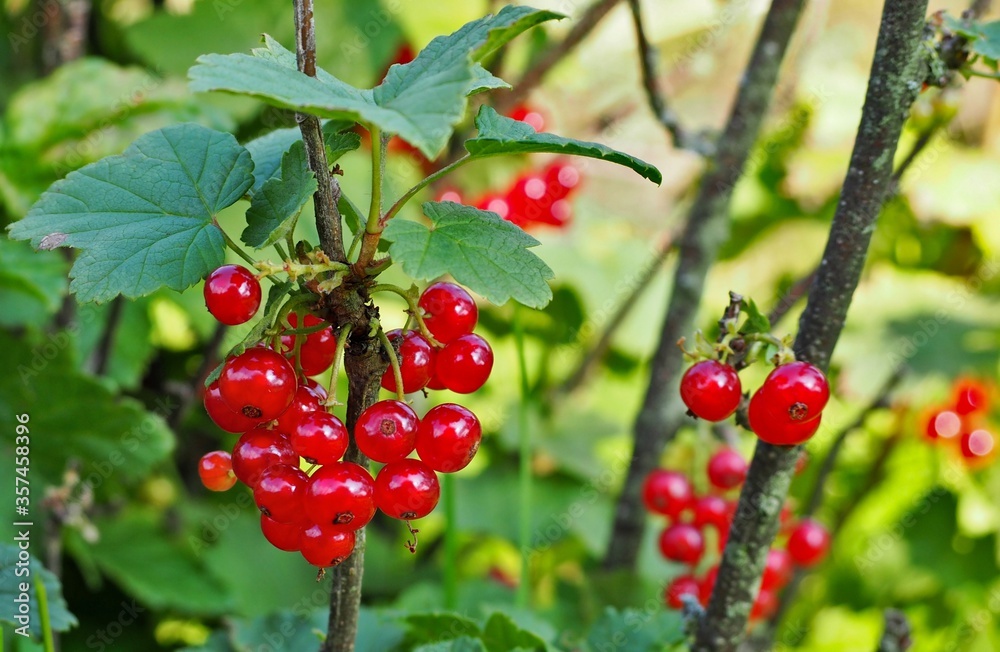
x=561, y=179
x=306, y=401
x=711, y=390
x=794, y=392
x=464, y=364
x=764, y=606
x=944, y=424
x=451, y=195
x=223, y=415
x=448, y=437
x=450, y=311
x=259, y=384
x=320, y=437
x=322, y=547
x=407, y=489
x=435, y=383
x=216, y=471
x=727, y=469
x=683, y=543
x=678, y=587
x=667, y=492
x=416, y=362
x=317, y=351
x=707, y=585
x=526, y=114
x=279, y=492
x=712, y=511
x=808, y=543
x=232, y=294
x=775, y=431
x=283, y=536
x=777, y=570
x=341, y=496
x=387, y=431
x=971, y=397
x=977, y=445
x=498, y=204
x=258, y=450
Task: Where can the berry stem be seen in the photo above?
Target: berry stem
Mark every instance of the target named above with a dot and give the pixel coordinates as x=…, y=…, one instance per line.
x=413, y=310
x=423, y=183
x=342, y=337
x=450, y=542
x=524, y=470
x=394, y=363
x=373, y=227
x=238, y=251
x=41, y=593
x=281, y=251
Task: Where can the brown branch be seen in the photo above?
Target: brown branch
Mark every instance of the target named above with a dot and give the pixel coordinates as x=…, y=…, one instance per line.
x=189, y=393
x=533, y=77
x=102, y=354
x=979, y=8
x=655, y=95
x=328, y=219
x=897, y=636
x=706, y=229
x=896, y=73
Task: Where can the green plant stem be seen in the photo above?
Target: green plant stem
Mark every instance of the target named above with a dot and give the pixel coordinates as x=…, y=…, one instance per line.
x=978, y=73
x=426, y=181
x=238, y=251
x=705, y=231
x=413, y=307
x=394, y=363
x=281, y=251
x=450, y=543
x=897, y=70
x=342, y=337
x=524, y=471
x=43, y=609
x=378, y=167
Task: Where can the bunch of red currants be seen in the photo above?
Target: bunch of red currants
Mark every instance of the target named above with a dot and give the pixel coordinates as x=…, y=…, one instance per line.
x=785, y=411
x=291, y=448
x=692, y=517
x=962, y=422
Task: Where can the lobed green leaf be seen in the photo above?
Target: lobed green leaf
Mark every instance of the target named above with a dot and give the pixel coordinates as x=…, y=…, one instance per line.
x=275, y=208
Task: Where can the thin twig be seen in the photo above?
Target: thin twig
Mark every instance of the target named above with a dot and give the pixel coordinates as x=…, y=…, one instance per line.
x=897, y=634
x=533, y=77
x=328, y=220
x=102, y=354
x=979, y=8
x=209, y=357
x=655, y=95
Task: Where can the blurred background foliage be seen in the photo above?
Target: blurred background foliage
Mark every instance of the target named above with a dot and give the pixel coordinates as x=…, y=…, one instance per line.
x=148, y=559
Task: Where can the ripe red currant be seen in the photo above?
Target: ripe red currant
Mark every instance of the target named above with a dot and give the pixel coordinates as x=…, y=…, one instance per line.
x=320, y=437
x=323, y=547
x=407, y=489
x=667, y=492
x=727, y=469
x=711, y=390
x=448, y=437
x=224, y=416
x=259, y=449
x=776, y=431
x=777, y=570
x=283, y=536
x=707, y=584
x=944, y=424
x=341, y=496
x=279, y=492
x=232, y=294
x=216, y=471
x=561, y=179
x=387, y=431
x=259, y=383
x=416, y=361
x=678, y=587
x=527, y=114
x=683, y=543
x=793, y=393
x=764, y=606
x=712, y=511
x=450, y=311
x=317, y=350
x=971, y=397
x=977, y=445
x=306, y=401
x=808, y=543
x=464, y=364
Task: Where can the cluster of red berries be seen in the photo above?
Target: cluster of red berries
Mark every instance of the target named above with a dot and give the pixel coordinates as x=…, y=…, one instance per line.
x=786, y=410
x=962, y=422
x=691, y=517
x=283, y=417
x=533, y=199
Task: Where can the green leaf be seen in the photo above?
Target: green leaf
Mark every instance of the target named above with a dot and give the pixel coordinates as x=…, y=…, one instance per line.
x=143, y=220
x=502, y=634
x=421, y=101
x=136, y=550
x=11, y=577
x=636, y=631
x=484, y=80
x=338, y=140
x=354, y=216
x=119, y=439
x=32, y=284
x=757, y=322
x=275, y=209
x=281, y=632
x=268, y=150
x=460, y=644
x=481, y=251
x=501, y=135
x=435, y=627
x=988, y=43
